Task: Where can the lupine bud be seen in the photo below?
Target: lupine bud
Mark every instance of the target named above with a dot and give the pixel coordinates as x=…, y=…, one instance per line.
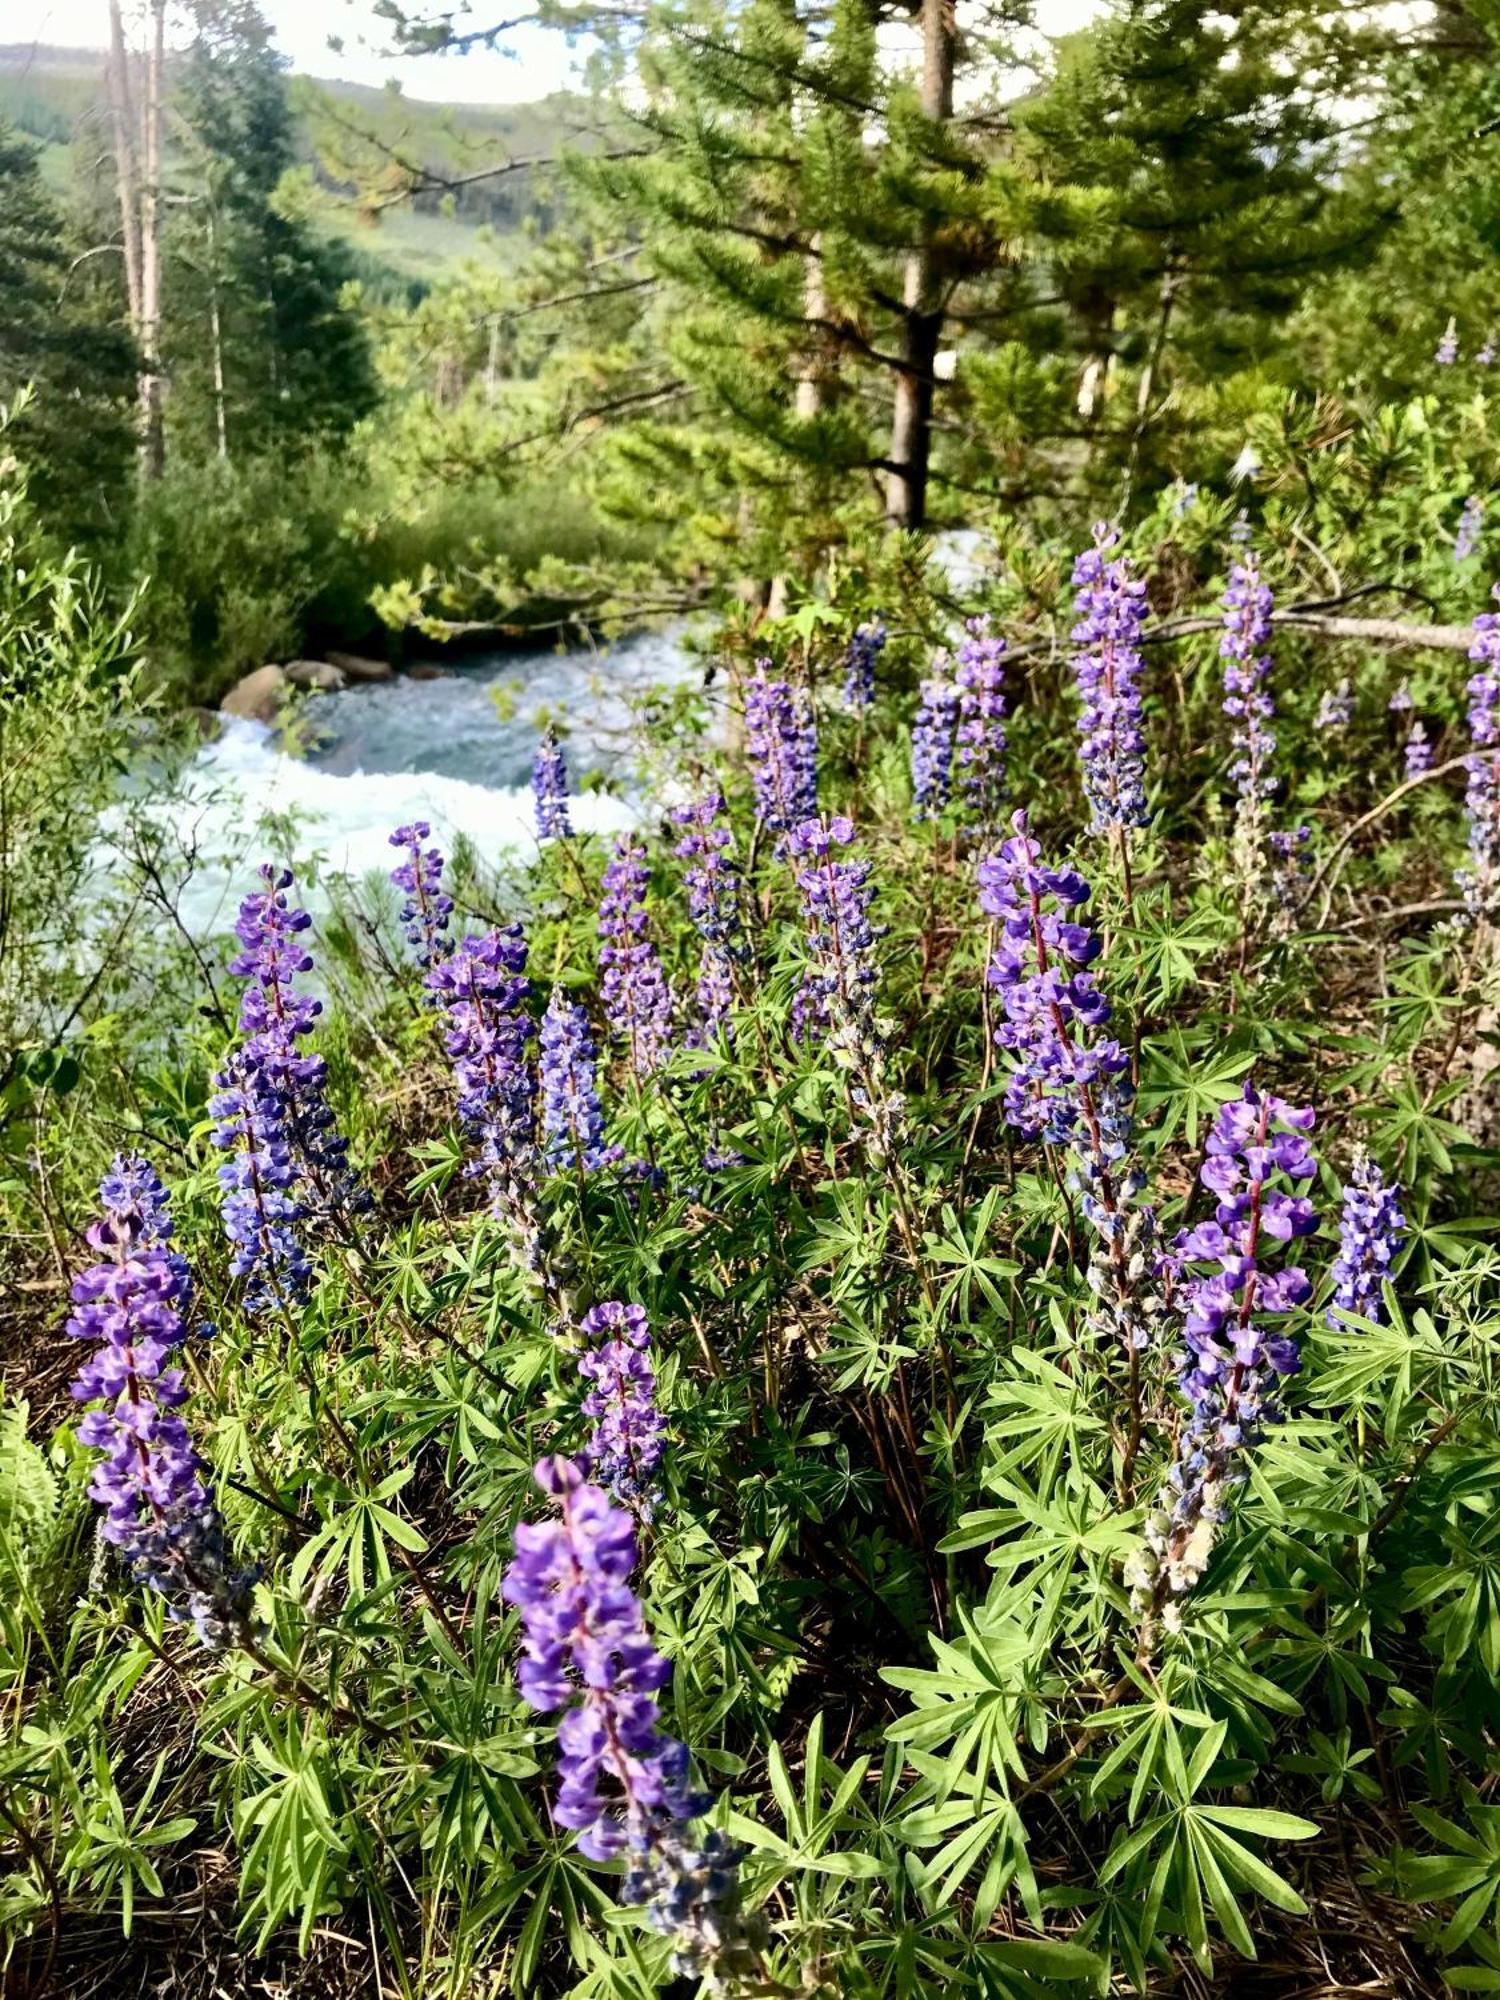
x=1372, y=1230
x=1071, y=1086
x=864, y=649
x=933, y=742
x=549, y=785
x=626, y=1445
x=1446, y=352
x=1235, y=1305
x=981, y=723
x=153, y=1486
x=572, y=1115
x=1107, y=668
x=1479, y=882
x=623, y=1782
x=637, y=999
x=1417, y=754
x=426, y=910
x=781, y=745
x=1403, y=700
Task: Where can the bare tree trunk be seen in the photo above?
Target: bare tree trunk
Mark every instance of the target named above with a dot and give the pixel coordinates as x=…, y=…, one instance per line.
x=122, y=131
x=153, y=441
x=808, y=400
x=922, y=298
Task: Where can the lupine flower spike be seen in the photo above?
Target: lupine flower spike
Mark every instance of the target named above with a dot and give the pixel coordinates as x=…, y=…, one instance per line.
x=426, y=910
x=1417, y=754
x=981, y=724
x=1479, y=882
x=1107, y=668
x=625, y=1448
x=1336, y=707
x=623, y=1782
x=153, y=1486
x=549, y=786
x=1470, y=528
x=863, y=651
x=1247, y=703
x=1446, y=352
x=1372, y=1229
x=1236, y=1306
x=933, y=742
x=1071, y=1085
x=836, y=1002
x=713, y=887
x=572, y=1115
x=637, y=999
x=781, y=745
x=483, y=987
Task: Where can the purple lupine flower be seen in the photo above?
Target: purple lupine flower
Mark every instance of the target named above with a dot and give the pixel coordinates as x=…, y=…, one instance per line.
x=153, y=1486
x=933, y=741
x=623, y=1782
x=426, y=910
x=572, y=1115
x=713, y=887
x=637, y=999
x=1236, y=1306
x=1446, y=352
x=626, y=1445
x=1479, y=882
x=836, y=1001
x=1417, y=753
x=1071, y=1085
x=1470, y=527
x=1372, y=1229
x=1107, y=668
x=981, y=722
x=484, y=989
x=1289, y=857
x=549, y=785
x=1486, y=354
x=260, y=1210
x=864, y=649
x=1183, y=498
x=1336, y=708
x=1247, y=634
x=1240, y=530
x=274, y=1017
x=781, y=744
x=1403, y=700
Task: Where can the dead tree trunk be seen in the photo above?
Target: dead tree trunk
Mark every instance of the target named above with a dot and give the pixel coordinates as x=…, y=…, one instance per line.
x=153, y=439
x=922, y=300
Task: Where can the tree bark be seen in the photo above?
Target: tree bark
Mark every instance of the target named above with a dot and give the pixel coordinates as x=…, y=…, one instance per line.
x=153, y=440
x=122, y=131
x=922, y=298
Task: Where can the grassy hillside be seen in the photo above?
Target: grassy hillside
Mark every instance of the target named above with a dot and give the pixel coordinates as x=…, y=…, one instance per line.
x=347, y=133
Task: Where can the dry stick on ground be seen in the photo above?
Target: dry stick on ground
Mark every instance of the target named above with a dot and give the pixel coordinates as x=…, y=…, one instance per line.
x=1376, y=812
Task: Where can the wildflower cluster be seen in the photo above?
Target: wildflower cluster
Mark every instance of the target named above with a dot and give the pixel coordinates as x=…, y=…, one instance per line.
x=980, y=733
x=549, y=786
x=1107, y=668
x=153, y=1486
x=625, y=1447
x=1372, y=1229
x=623, y=1782
x=637, y=999
x=426, y=910
x=781, y=744
x=1235, y=1306
x=1335, y=707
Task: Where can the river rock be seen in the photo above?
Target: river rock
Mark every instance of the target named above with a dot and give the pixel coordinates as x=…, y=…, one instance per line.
x=359, y=669
x=425, y=670
x=320, y=674
x=258, y=696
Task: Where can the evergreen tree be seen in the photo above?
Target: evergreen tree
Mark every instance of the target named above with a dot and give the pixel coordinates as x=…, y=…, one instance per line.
x=61, y=329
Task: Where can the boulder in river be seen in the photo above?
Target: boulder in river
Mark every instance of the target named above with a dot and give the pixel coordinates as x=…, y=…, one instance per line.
x=357, y=668
x=428, y=670
x=320, y=674
x=258, y=696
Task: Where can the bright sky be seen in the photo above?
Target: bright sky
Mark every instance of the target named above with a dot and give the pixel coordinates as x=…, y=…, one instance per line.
x=532, y=62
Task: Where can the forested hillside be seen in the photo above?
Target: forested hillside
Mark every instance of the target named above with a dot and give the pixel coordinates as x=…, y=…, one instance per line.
x=750, y=1010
